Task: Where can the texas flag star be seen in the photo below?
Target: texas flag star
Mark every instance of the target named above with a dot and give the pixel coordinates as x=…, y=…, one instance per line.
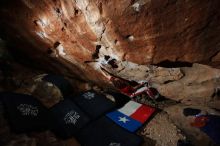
x=123, y=119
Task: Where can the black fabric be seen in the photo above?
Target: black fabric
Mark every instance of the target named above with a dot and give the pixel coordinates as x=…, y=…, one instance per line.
x=67, y=118
x=104, y=132
x=93, y=104
x=64, y=85
x=120, y=99
x=24, y=112
x=184, y=143
x=191, y=111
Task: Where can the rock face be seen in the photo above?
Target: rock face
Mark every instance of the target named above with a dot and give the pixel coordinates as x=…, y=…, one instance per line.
x=81, y=37
x=199, y=85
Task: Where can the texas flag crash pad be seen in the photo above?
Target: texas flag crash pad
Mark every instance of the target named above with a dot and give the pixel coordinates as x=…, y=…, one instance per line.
x=132, y=115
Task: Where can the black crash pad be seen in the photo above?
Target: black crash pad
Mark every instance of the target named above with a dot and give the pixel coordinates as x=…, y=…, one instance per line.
x=24, y=112
x=67, y=119
x=104, y=132
x=60, y=82
x=93, y=103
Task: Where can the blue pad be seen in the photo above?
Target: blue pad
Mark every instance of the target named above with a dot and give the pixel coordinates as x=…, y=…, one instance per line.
x=212, y=128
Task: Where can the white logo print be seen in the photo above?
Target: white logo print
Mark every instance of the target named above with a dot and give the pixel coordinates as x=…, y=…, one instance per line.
x=28, y=110
x=89, y=95
x=71, y=117
x=114, y=144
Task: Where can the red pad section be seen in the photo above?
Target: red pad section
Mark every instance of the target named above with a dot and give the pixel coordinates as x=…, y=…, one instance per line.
x=143, y=113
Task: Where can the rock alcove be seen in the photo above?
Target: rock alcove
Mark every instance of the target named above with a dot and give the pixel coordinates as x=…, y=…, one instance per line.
x=171, y=44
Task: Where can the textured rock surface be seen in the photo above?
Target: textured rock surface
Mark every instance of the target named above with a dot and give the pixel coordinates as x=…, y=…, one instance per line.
x=199, y=85
x=140, y=31
x=78, y=38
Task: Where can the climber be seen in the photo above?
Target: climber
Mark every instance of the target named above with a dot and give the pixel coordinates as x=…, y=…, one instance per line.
x=133, y=89
x=145, y=88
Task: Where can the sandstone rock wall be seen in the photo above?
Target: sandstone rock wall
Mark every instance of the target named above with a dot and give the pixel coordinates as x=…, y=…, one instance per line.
x=77, y=37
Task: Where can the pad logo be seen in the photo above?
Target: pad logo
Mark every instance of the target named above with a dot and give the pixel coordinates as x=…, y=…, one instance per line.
x=28, y=110
x=89, y=95
x=114, y=144
x=71, y=117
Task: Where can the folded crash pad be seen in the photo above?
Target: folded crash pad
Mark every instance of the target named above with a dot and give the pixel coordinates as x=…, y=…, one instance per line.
x=93, y=103
x=24, y=112
x=60, y=82
x=132, y=115
x=120, y=99
x=104, y=132
x=67, y=119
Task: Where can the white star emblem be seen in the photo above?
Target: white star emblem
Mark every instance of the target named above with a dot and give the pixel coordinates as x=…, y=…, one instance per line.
x=123, y=119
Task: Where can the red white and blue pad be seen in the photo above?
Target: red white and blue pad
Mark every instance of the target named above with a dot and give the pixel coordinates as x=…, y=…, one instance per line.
x=132, y=115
